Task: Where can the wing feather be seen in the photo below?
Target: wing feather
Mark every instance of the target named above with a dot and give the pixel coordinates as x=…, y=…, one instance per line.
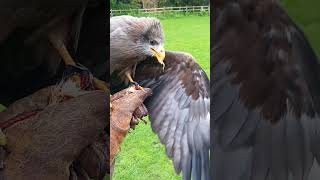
x=180, y=111
x=265, y=95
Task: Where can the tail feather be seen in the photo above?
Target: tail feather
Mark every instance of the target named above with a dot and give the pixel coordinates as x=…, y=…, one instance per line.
x=261, y=159
x=288, y=150
x=279, y=158
x=230, y=165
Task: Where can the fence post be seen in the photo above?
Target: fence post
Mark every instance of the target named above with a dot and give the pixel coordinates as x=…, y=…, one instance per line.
x=181, y=9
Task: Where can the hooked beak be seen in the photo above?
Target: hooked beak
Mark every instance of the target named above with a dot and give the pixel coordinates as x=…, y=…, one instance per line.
x=159, y=54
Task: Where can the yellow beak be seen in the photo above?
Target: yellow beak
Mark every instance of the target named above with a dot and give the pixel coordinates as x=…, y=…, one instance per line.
x=160, y=54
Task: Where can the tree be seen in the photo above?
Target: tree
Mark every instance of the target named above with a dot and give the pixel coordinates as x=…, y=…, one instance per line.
x=125, y=4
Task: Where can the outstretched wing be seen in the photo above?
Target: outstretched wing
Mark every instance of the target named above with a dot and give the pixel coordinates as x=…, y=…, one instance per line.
x=265, y=94
x=180, y=111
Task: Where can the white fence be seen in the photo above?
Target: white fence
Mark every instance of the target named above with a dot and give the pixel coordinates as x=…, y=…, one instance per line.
x=162, y=10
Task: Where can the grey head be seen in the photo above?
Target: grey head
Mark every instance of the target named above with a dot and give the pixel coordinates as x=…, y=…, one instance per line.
x=134, y=39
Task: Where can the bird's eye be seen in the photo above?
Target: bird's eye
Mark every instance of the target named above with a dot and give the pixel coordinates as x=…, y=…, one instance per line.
x=153, y=42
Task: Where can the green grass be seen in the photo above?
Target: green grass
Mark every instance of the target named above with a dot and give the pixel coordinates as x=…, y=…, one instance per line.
x=306, y=14
x=190, y=34
x=166, y=15
x=1, y=107
x=142, y=156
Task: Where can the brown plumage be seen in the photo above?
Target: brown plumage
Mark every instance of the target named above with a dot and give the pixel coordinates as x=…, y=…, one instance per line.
x=179, y=110
x=179, y=106
x=265, y=94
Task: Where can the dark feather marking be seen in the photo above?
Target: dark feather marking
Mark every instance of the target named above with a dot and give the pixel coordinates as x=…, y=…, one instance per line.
x=179, y=109
x=264, y=61
x=279, y=72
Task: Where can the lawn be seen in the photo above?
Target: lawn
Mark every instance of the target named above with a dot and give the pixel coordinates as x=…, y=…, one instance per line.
x=306, y=14
x=142, y=156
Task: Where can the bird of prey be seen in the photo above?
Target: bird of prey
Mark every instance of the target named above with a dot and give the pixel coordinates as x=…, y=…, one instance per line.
x=265, y=95
x=132, y=40
x=33, y=39
x=179, y=109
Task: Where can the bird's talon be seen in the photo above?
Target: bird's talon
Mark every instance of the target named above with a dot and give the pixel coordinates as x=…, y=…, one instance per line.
x=136, y=86
x=142, y=89
x=101, y=85
x=133, y=84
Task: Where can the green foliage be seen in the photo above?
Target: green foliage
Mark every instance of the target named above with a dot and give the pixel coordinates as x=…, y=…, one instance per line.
x=142, y=156
x=1, y=107
x=136, y=4
x=167, y=15
x=116, y=4
x=168, y=3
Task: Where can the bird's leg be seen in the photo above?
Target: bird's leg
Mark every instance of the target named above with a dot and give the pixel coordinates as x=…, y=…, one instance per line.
x=59, y=45
x=62, y=50
x=133, y=85
x=100, y=84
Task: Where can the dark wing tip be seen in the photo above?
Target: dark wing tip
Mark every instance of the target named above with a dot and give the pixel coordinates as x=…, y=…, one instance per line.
x=180, y=111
